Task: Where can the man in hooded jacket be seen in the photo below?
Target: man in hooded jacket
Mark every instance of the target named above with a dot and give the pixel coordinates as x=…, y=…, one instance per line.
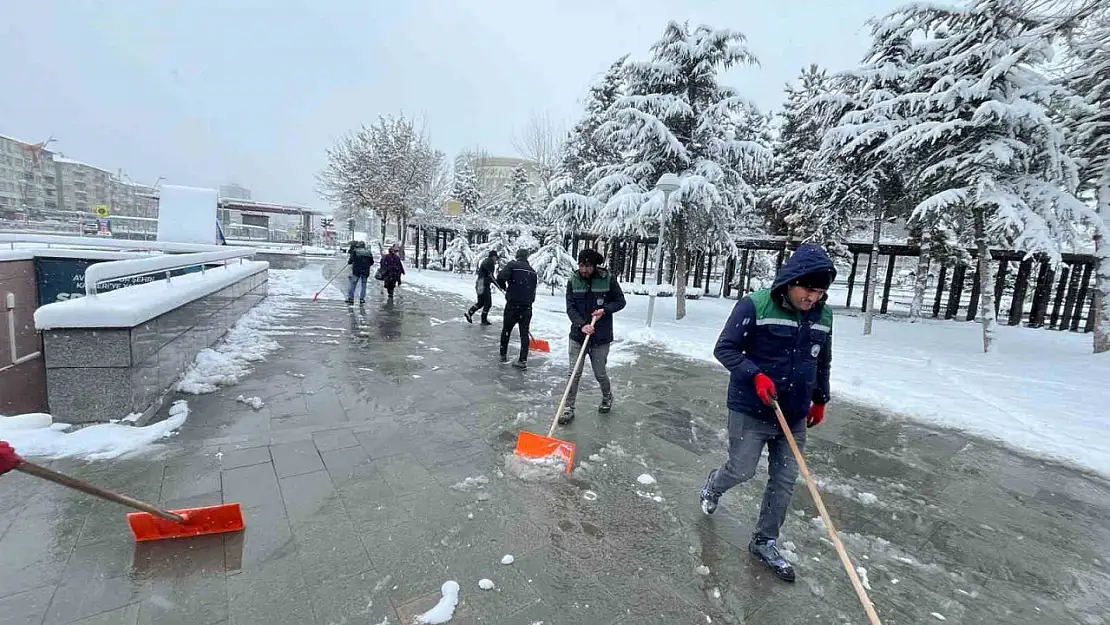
x=776, y=345
x=518, y=280
x=487, y=272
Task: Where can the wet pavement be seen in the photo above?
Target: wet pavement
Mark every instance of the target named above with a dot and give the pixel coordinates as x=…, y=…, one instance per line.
x=352, y=476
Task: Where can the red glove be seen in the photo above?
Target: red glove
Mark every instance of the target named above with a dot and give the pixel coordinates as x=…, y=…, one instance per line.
x=8, y=458
x=816, y=415
x=765, y=388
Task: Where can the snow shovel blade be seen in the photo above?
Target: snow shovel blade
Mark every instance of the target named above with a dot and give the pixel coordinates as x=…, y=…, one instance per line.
x=538, y=447
x=539, y=345
x=217, y=519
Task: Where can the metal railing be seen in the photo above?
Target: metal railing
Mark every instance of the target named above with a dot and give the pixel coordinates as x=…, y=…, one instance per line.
x=135, y=267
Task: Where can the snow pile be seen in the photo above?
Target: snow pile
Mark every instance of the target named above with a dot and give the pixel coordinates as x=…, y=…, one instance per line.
x=534, y=469
x=253, y=402
x=36, y=435
x=646, y=479
x=229, y=362
x=471, y=483
x=862, y=572
x=445, y=609
x=508, y=559
x=486, y=584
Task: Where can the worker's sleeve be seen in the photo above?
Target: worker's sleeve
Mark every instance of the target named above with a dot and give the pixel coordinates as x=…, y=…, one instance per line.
x=821, y=392
x=572, y=310
x=615, y=302
x=732, y=345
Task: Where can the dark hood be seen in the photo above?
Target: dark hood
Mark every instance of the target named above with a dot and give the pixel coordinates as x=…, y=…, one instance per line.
x=806, y=259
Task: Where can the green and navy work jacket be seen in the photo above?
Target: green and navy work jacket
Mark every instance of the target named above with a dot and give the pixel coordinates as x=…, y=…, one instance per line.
x=764, y=334
x=584, y=296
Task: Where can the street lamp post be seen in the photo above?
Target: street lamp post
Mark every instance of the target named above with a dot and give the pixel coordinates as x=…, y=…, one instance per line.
x=667, y=183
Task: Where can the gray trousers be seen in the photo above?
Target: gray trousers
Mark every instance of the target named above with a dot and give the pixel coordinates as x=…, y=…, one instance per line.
x=599, y=357
x=746, y=438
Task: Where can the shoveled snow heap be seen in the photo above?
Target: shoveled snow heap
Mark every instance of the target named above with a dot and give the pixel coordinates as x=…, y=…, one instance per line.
x=229, y=362
x=36, y=435
x=445, y=609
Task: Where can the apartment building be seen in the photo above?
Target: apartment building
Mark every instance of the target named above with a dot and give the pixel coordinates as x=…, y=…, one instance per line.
x=28, y=177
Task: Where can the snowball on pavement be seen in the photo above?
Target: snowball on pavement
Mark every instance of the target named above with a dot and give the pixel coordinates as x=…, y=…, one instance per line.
x=508, y=559
x=485, y=584
x=646, y=479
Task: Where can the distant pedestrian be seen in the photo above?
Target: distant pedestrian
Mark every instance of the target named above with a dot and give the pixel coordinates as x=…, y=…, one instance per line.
x=360, y=259
x=777, y=344
x=487, y=272
x=398, y=249
x=391, y=271
x=593, y=294
x=8, y=458
x=518, y=280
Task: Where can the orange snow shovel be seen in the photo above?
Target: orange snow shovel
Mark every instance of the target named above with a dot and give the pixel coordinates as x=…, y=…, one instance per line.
x=539, y=345
x=153, y=523
x=864, y=600
x=546, y=448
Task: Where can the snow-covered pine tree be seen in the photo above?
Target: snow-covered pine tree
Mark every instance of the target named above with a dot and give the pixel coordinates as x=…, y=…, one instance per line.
x=585, y=157
x=553, y=265
x=800, y=129
x=676, y=118
x=977, y=130
x=458, y=256
x=1089, y=125
x=518, y=207
x=500, y=239
x=465, y=187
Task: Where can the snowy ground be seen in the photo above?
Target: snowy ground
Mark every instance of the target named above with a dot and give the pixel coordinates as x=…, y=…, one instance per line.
x=1040, y=391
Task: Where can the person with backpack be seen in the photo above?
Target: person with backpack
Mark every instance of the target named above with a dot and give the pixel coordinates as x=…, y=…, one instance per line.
x=593, y=296
x=487, y=271
x=777, y=346
x=518, y=280
x=360, y=259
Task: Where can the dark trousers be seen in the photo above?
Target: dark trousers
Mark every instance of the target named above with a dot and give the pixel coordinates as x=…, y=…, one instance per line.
x=516, y=315
x=390, y=285
x=485, y=302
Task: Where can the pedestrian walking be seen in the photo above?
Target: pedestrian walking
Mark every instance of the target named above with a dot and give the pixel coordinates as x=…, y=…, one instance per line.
x=593, y=294
x=777, y=344
x=8, y=458
x=487, y=271
x=360, y=259
x=391, y=270
x=518, y=280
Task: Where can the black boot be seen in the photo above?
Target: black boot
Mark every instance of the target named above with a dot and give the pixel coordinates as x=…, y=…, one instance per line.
x=469, y=316
x=503, y=359
x=485, y=321
x=709, y=497
x=567, y=416
x=520, y=364
x=606, y=403
x=768, y=553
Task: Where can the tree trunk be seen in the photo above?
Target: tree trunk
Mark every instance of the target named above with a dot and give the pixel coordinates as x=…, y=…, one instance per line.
x=1101, y=307
x=986, y=289
x=921, y=279
x=680, y=270
x=382, y=219
x=873, y=269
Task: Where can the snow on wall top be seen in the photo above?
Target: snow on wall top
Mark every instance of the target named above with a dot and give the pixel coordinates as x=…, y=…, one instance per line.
x=134, y=305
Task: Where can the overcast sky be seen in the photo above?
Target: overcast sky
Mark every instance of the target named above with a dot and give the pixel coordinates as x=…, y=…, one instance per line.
x=211, y=91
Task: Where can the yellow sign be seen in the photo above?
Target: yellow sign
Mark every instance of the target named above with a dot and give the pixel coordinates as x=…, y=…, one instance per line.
x=102, y=210
x=453, y=207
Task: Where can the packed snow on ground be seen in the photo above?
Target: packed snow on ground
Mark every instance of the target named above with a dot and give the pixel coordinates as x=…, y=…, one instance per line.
x=1036, y=391
x=230, y=361
x=445, y=609
x=253, y=402
x=534, y=469
x=486, y=584
x=307, y=282
x=36, y=435
x=471, y=483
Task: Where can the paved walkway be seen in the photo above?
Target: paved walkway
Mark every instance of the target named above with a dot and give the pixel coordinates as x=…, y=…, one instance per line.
x=353, y=478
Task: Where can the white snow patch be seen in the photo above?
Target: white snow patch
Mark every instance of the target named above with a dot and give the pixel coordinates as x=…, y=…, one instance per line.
x=445, y=609
x=246, y=342
x=702, y=570
x=471, y=482
x=486, y=584
x=868, y=499
x=789, y=545
x=938, y=616
x=589, y=495
x=414, y=357
x=790, y=555
x=36, y=435
x=508, y=559
x=253, y=402
x=646, y=479
x=862, y=572
x=534, y=469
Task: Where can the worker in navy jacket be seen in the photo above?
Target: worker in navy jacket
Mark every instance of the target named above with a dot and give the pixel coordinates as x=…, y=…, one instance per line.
x=776, y=345
x=518, y=280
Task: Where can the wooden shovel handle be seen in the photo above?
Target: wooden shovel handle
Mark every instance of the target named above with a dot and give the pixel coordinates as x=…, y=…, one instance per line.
x=829, y=527
x=573, y=372
x=31, y=468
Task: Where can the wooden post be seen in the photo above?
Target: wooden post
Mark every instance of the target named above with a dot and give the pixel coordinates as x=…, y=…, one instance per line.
x=1021, y=287
x=643, y=273
x=940, y=290
x=1058, y=301
x=730, y=269
x=1081, y=300
x=976, y=289
x=866, y=283
x=708, y=270
x=956, y=292
x=889, y=279
x=1000, y=283
x=742, y=276
x=852, y=279
x=1045, y=277
x=1070, y=300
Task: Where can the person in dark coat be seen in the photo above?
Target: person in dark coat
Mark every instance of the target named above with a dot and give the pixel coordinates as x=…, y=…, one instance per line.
x=487, y=272
x=518, y=280
x=361, y=260
x=391, y=271
x=593, y=294
x=776, y=345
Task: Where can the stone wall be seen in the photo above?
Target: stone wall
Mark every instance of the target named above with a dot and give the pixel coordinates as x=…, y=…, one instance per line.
x=22, y=386
x=94, y=375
